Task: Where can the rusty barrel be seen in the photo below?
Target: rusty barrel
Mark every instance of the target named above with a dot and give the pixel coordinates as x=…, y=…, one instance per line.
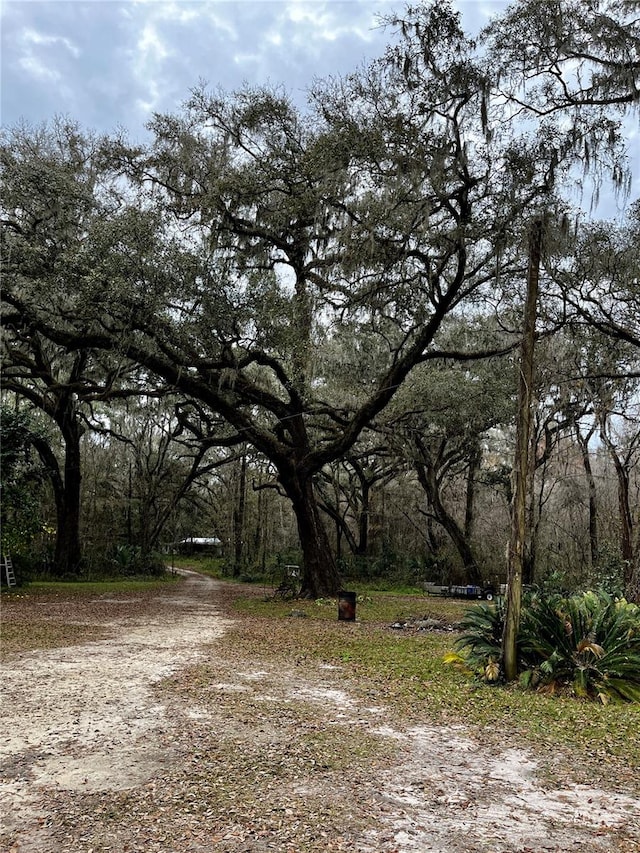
x=346, y=606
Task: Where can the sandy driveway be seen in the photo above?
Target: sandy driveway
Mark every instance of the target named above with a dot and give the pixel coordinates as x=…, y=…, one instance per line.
x=85, y=717
x=88, y=738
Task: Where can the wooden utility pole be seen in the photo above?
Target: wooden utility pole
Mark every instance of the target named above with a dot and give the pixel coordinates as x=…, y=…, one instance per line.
x=521, y=467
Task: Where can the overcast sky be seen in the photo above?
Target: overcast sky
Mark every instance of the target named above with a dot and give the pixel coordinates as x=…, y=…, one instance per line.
x=112, y=63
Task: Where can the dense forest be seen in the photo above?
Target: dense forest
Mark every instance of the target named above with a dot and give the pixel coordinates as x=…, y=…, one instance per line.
x=376, y=336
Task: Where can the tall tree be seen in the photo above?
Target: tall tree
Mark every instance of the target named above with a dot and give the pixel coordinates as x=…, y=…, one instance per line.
x=522, y=464
x=574, y=65
x=599, y=283
x=438, y=424
x=58, y=209
x=50, y=196
x=231, y=249
x=601, y=274
x=31, y=373
x=540, y=47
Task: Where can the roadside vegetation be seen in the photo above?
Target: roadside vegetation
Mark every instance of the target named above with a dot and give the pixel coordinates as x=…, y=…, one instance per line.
x=586, y=644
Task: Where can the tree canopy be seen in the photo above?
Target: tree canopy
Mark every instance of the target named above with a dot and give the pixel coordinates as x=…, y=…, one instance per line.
x=289, y=270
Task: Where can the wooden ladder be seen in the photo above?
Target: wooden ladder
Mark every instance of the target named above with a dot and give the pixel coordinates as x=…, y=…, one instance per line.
x=8, y=570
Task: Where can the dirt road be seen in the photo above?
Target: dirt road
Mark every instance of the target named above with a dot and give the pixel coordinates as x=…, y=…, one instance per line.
x=99, y=755
x=85, y=718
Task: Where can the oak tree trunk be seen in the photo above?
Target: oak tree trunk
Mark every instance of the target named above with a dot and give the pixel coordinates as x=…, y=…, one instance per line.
x=320, y=576
x=68, y=553
x=66, y=491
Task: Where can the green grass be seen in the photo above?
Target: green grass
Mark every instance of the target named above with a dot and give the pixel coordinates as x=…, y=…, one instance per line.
x=371, y=606
x=65, y=589
x=211, y=566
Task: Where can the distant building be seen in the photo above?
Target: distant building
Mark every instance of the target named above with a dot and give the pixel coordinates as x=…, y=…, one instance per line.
x=200, y=545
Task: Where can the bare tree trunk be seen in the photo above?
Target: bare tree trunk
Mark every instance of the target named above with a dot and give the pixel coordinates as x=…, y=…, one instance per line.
x=533, y=510
x=239, y=513
x=260, y=531
x=129, y=506
x=583, y=444
x=629, y=557
x=363, y=519
x=521, y=468
x=428, y=481
x=469, y=511
x=330, y=500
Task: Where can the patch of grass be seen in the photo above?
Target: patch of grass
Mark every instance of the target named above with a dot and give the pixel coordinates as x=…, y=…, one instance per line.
x=393, y=607
x=66, y=589
x=211, y=566
x=383, y=585
x=371, y=606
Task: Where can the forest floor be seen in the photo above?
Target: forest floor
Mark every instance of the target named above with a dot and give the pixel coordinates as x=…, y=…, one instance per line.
x=169, y=725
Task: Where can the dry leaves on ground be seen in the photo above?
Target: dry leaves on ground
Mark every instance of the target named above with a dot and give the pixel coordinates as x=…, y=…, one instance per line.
x=182, y=727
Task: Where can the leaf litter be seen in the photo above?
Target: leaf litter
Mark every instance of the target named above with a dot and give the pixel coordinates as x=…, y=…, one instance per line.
x=180, y=727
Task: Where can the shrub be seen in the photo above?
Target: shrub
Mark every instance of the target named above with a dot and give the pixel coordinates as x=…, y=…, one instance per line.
x=131, y=561
x=589, y=643
x=608, y=574
x=481, y=639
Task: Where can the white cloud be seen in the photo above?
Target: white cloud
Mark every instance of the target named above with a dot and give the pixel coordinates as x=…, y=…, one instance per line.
x=36, y=68
x=186, y=14
x=32, y=37
x=274, y=38
x=220, y=24
x=150, y=48
x=38, y=55
x=247, y=58
x=180, y=13
x=149, y=56
x=299, y=10
x=320, y=21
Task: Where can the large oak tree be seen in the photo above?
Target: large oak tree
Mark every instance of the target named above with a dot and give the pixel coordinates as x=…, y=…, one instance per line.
x=223, y=257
